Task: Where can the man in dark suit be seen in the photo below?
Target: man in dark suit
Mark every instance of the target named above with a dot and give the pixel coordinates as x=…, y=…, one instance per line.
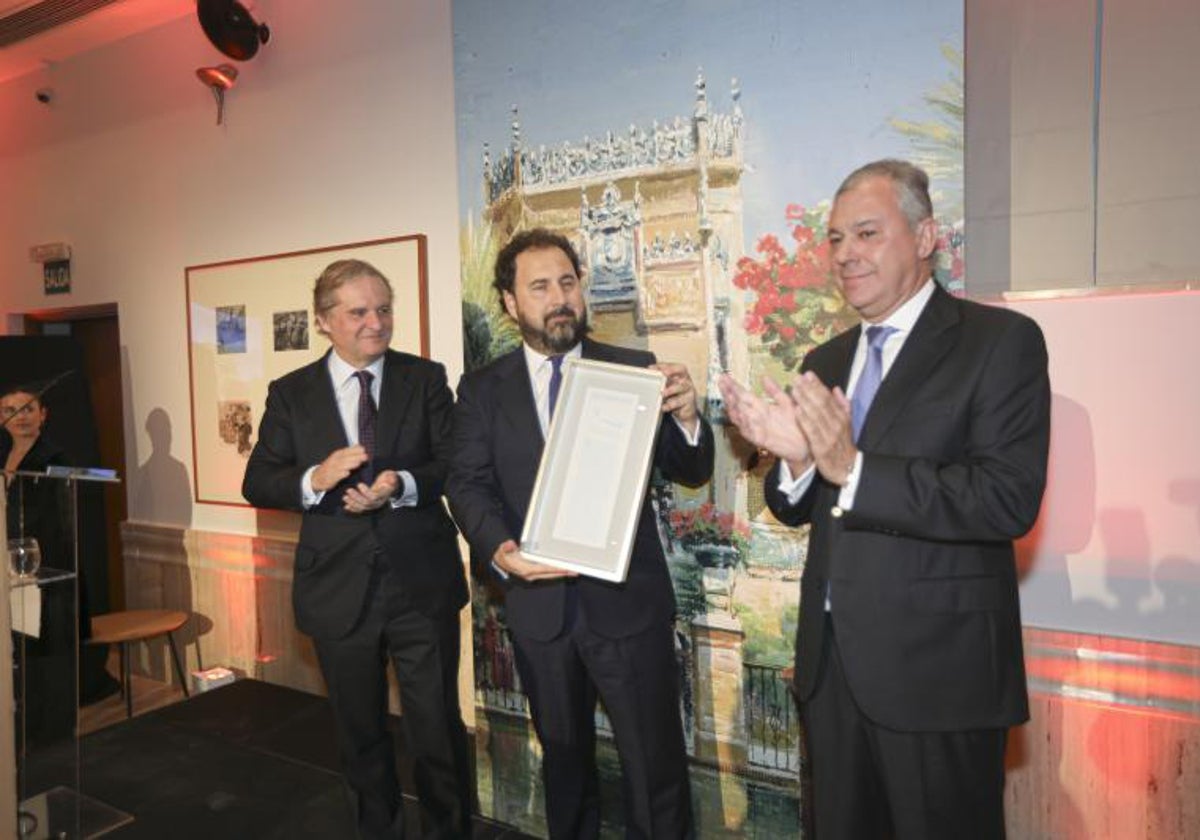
x=360, y=442
x=576, y=637
x=909, y=665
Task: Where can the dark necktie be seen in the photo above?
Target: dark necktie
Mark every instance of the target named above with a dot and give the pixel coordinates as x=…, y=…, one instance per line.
x=571, y=593
x=555, y=383
x=366, y=421
x=869, y=379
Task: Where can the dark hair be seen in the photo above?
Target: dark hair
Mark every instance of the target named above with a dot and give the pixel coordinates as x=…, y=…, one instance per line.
x=30, y=388
x=528, y=240
x=909, y=181
x=337, y=274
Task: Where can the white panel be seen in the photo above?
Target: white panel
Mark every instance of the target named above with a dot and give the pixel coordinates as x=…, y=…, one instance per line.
x=1149, y=185
x=1029, y=82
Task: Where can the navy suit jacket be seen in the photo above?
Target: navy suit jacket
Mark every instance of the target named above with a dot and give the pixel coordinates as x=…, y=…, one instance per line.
x=922, y=576
x=497, y=448
x=337, y=552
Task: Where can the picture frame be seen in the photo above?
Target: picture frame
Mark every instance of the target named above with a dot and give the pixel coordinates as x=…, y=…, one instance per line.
x=591, y=482
x=250, y=321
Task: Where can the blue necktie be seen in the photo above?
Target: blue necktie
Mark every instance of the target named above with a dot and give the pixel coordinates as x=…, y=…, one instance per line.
x=555, y=384
x=366, y=422
x=571, y=592
x=864, y=393
x=869, y=379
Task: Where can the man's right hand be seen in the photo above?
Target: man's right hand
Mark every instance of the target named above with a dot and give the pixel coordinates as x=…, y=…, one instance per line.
x=767, y=422
x=508, y=559
x=336, y=466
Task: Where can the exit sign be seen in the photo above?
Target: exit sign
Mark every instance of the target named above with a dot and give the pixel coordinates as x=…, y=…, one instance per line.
x=56, y=277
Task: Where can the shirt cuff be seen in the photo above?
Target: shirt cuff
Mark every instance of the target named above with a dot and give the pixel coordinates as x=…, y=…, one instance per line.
x=795, y=488
x=408, y=495
x=308, y=496
x=846, y=496
x=693, y=439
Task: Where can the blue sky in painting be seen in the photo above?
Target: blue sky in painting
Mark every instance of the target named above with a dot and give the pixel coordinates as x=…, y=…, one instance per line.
x=819, y=80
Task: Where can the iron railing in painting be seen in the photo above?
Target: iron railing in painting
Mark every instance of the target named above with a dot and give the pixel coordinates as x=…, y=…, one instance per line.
x=497, y=684
x=772, y=723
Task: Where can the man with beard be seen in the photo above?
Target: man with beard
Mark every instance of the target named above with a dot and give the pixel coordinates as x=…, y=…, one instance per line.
x=577, y=638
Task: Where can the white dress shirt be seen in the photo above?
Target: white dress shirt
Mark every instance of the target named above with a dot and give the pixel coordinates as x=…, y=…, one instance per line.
x=902, y=321
x=540, y=367
x=347, y=391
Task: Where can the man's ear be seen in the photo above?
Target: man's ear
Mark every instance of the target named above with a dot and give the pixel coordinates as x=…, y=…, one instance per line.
x=510, y=304
x=926, y=237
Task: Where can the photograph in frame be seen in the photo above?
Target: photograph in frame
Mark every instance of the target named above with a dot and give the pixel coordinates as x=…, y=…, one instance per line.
x=250, y=322
x=591, y=482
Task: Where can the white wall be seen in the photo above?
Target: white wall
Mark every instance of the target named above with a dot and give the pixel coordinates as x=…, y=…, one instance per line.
x=1083, y=132
x=340, y=130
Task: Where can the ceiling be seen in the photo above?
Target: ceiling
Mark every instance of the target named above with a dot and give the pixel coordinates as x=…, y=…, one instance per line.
x=100, y=22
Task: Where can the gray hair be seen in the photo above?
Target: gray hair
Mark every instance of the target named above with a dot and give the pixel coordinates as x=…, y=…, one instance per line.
x=910, y=183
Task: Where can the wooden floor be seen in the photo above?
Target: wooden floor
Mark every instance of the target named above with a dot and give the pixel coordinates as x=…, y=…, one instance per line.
x=148, y=694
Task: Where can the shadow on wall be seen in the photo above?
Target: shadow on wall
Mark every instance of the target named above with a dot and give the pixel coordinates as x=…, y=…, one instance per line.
x=161, y=485
x=1128, y=588
x=1066, y=519
x=162, y=495
x=1176, y=577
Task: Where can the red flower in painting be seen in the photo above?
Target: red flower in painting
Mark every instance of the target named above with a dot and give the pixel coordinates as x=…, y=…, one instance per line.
x=793, y=293
x=707, y=526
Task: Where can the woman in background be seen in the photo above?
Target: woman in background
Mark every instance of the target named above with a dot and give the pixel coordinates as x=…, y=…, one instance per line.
x=41, y=509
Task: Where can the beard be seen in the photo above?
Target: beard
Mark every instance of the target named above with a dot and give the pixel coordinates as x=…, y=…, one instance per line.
x=561, y=336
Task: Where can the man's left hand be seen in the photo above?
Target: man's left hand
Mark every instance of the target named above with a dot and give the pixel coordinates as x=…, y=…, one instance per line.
x=365, y=498
x=679, y=395
x=824, y=417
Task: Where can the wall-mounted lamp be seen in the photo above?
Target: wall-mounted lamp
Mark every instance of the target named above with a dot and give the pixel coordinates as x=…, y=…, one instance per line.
x=218, y=79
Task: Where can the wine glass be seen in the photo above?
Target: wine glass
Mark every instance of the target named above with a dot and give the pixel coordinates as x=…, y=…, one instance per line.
x=24, y=556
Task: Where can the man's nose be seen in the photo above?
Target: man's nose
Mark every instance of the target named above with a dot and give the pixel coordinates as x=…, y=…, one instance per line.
x=842, y=251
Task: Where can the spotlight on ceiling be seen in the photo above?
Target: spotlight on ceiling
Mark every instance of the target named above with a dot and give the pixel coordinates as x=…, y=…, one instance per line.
x=231, y=28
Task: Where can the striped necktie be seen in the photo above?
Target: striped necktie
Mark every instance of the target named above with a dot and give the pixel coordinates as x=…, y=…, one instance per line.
x=366, y=422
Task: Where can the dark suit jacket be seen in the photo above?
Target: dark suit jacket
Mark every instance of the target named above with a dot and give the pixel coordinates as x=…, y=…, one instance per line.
x=336, y=551
x=38, y=508
x=497, y=448
x=923, y=581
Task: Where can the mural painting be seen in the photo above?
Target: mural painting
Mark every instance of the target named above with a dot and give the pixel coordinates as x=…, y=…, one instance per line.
x=699, y=211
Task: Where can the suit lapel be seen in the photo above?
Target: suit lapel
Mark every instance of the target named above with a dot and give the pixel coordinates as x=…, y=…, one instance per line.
x=394, y=399
x=320, y=401
x=933, y=336
x=597, y=352
x=514, y=394
x=832, y=365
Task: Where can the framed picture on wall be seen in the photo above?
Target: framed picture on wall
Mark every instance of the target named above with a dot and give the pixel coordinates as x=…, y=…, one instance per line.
x=251, y=321
x=591, y=481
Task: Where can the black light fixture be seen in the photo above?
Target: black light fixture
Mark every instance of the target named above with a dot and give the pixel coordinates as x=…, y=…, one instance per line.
x=231, y=28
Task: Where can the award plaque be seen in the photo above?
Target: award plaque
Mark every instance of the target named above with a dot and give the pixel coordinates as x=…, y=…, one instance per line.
x=592, y=480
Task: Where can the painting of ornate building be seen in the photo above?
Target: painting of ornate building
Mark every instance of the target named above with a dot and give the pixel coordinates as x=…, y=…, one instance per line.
x=656, y=214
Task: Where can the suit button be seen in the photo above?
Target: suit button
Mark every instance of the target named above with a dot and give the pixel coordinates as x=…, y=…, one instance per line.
x=837, y=512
